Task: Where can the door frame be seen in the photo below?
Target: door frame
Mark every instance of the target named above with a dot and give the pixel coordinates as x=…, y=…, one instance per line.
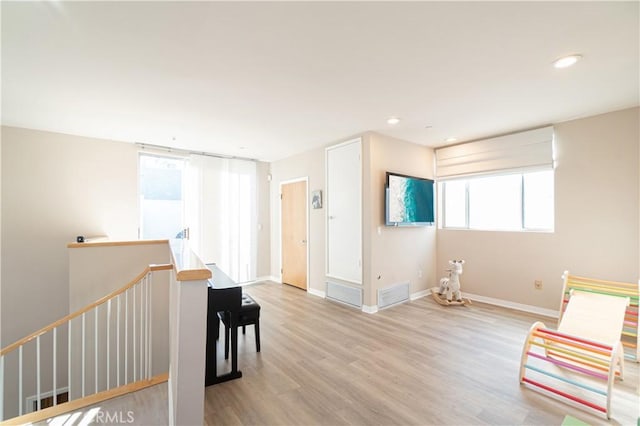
x=304, y=179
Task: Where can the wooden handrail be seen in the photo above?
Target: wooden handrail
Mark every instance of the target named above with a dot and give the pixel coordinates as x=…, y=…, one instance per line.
x=58, y=323
x=188, y=265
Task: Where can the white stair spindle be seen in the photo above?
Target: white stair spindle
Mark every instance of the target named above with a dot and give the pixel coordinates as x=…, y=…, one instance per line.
x=108, y=340
x=140, y=357
x=38, y=403
x=83, y=355
x=133, y=341
x=69, y=358
x=118, y=343
x=1, y=388
x=150, y=324
x=146, y=328
x=126, y=336
x=20, y=408
x=55, y=366
x=95, y=347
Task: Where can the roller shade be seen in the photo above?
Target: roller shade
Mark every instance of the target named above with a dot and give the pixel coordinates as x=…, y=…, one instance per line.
x=533, y=148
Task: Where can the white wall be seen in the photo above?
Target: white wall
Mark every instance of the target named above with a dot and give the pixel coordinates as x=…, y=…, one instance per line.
x=97, y=269
x=396, y=254
x=55, y=187
x=596, y=220
x=310, y=164
x=264, y=221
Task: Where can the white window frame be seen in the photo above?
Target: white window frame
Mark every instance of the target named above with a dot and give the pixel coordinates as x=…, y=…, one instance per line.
x=443, y=193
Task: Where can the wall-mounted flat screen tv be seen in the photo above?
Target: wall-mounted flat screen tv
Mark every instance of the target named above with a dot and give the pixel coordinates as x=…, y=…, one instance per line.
x=408, y=200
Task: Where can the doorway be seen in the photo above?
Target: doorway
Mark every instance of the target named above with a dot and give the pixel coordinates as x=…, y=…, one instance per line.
x=293, y=231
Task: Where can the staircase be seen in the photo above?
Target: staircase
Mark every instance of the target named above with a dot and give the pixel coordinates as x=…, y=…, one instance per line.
x=150, y=331
x=103, y=350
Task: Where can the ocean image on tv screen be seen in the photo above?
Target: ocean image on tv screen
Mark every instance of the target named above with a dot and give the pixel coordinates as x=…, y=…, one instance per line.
x=410, y=200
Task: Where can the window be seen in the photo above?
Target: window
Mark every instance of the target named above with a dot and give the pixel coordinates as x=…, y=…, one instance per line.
x=507, y=202
x=209, y=200
x=161, y=198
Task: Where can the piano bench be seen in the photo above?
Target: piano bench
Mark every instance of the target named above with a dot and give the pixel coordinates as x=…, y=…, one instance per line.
x=249, y=314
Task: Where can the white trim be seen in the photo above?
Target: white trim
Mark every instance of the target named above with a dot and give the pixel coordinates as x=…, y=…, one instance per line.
x=304, y=179
x=419, y=294
x=551, y=313
x=369, y=309
x=318, y=293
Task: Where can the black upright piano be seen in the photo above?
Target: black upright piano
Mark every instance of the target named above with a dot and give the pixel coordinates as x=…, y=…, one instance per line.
x=223, y=295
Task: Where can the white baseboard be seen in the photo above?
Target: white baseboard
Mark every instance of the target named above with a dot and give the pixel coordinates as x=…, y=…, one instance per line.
x=315, y=292
x=551, y=313
x=369, y=309
x=419, y=294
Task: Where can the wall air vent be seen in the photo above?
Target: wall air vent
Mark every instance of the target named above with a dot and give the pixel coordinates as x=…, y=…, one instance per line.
x=344, y=293
x=392, y=295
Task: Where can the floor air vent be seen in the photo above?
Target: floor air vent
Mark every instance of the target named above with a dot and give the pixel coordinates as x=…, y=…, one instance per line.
x=344, y=293
x=392, y=295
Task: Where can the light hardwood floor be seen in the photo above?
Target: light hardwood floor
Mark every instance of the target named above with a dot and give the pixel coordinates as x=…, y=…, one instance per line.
x=418, y=363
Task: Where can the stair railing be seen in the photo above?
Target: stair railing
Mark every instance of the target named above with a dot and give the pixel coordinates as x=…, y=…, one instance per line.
x=116, y=331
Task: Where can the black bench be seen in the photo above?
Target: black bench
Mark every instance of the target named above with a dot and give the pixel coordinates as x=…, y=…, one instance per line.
x=249, y=314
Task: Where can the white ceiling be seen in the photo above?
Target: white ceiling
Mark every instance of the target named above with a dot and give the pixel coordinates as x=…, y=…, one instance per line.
x=268, y=80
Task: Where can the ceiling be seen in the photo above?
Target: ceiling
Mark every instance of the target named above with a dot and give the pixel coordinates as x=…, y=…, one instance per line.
x=267, y=80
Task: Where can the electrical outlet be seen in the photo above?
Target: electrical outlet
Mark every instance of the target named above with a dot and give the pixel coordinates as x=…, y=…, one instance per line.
x=537, y=284
x=419, y=273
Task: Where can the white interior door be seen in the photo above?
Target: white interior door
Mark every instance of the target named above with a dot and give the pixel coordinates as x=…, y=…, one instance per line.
x=344, y=211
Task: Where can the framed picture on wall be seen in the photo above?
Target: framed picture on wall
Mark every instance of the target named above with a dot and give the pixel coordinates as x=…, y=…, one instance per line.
x=316, y=199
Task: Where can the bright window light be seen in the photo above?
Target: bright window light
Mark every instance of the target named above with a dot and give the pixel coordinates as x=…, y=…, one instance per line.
x=495, y=203
x=455, y=199
x=509, y=202
x=538, y=200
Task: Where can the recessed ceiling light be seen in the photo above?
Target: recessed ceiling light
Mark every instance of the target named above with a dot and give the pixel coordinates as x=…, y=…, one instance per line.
x=393, y=120
x=566, y=61
x=451, y=140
